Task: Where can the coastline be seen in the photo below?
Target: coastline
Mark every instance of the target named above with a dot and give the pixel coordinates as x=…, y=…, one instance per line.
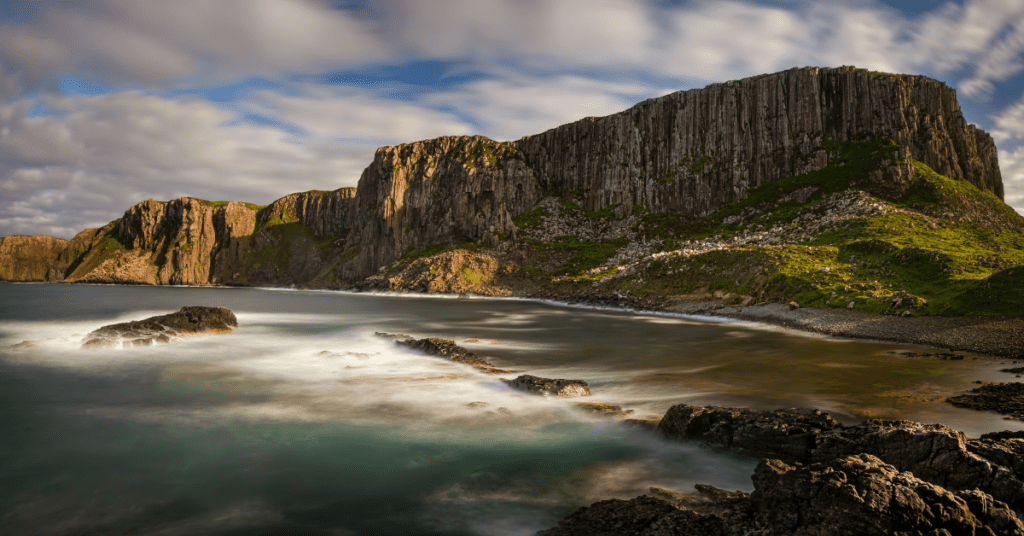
x=995, y=336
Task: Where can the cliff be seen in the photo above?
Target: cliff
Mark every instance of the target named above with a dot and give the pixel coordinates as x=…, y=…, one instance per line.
x=689, y=173
x=689, y=152
x=29, y=258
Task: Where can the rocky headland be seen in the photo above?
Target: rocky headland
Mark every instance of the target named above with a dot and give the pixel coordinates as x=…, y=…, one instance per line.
x=846, y=195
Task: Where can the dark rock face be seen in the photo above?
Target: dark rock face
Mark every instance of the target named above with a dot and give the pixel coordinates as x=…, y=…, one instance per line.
x=187, y=321
x=849, y=496
x=445, y=348
x=550, y=387
x=1006, y=398
x=786, y=434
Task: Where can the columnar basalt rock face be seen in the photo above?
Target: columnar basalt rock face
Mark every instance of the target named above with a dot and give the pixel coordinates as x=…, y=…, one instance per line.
x=29, y=258
x=326, y=213
x=436, y=192
x=690, y=152
x=693, y=151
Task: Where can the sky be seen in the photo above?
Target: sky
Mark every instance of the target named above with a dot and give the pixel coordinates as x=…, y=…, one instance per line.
x=106, y=103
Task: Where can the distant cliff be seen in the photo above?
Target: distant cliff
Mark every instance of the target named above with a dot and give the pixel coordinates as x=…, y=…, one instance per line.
x=687, y=153
x=29, y=258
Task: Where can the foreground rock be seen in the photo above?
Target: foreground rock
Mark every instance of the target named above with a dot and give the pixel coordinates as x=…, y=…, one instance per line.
x=187, y=321
x=444, y=348
x=549, y=387
x=853, y=495
x=786, y=434
x=1006, y=398
x=933, y=452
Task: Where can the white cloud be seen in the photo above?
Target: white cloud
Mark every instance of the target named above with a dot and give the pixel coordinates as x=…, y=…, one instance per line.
x=508, y=106
x=1011, y=163
x=167, y=43
x=89, y=158
x=353, y=115
x=1010, y=122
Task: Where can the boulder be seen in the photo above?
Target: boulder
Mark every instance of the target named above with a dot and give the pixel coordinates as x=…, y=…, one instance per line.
x=187, y=321
x=786, y=434
x=550, y=387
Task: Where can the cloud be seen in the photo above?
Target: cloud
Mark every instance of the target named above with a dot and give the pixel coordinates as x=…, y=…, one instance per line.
x=159, y=44
x=353, y=116
x=1011, y=163
x=1010, y=122
x=88, y=158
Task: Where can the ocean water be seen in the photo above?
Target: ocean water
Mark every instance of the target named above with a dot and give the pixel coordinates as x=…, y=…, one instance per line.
x=302, y=421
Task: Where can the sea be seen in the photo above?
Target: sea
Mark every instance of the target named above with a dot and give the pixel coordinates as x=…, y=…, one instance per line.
x=303, y=421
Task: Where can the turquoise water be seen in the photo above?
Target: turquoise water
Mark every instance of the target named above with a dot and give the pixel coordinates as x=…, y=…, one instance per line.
x=301, y=421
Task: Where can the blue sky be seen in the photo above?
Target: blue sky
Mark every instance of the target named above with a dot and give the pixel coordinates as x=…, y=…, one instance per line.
x=105, y=103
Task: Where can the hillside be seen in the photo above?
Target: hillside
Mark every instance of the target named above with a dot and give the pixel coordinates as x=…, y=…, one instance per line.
x=830, y=188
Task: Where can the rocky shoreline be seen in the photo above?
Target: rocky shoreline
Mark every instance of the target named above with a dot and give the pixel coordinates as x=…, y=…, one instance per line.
x=816, y=475
x=820, y=477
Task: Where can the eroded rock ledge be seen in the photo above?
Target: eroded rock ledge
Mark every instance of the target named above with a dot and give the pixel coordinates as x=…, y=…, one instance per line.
x=819, y=477
x=187, y=321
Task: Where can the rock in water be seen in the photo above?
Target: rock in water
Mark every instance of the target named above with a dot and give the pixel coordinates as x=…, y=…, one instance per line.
x=188, y=321
x=550, y=387
x=444, y=348
x=1006, y=398
x=786, y=434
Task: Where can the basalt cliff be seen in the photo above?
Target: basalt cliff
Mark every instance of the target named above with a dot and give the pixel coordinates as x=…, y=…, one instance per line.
x=833, y=187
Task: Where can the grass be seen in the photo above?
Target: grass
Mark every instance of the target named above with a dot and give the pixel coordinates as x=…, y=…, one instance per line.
x=577, y=256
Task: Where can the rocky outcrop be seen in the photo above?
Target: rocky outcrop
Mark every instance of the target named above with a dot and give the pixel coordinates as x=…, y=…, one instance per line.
x=29, y=258
x=853, y=495
x=933, y=452
x=1006, y=398
x=445, y=348
x=187, y=321
x=786, y=434
x=861, y=494
x=550, y=387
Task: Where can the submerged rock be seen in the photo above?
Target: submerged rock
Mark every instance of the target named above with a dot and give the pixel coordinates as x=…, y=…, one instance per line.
x=445, y=348
x=187, y=321
x=786, y=434
x=550, y=387
x=604, y=410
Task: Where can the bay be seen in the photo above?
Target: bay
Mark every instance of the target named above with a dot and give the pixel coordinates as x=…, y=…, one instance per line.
x=303, y=421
